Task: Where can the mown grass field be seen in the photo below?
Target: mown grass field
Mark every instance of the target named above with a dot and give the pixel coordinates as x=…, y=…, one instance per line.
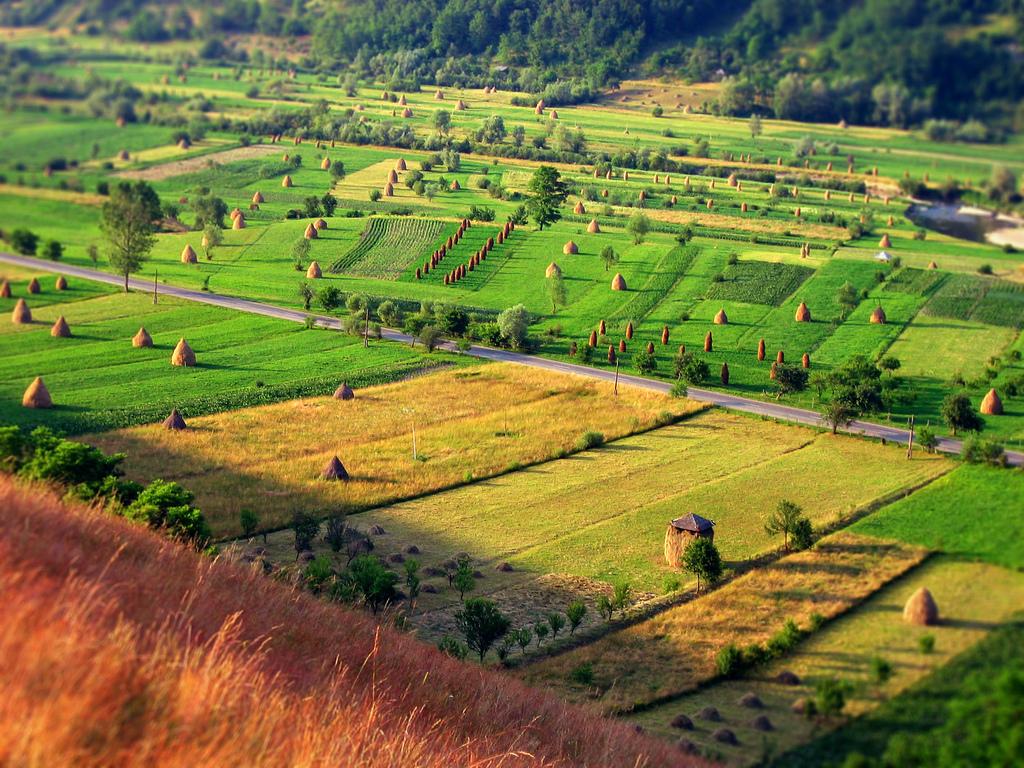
x=973, y=599
x=469, y=423
x=99, y=381
x=674, y=652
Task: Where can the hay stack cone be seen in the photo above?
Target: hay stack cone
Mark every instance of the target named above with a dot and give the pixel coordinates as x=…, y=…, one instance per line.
x=579, y=207
x=37, y=395
x=539, y=109
x=325, y=164
x=611, y=354
x=406, y=113
x=188, y=255
x=921, y=609
x=320, y=224
x=602, y=328
x=21, y=315
x=310, y=233
x=885, y=242
x=664, y=334
x=743, y=207
x=392, y=176
x=389, y=190
x=932, y=265
x=803, y=314
x=183, y=355
x=258, y=198
x=570, y=248
x=455, y=186
x=344, y=392
x=992, y=405
x=438, y=95
x=286, y=182
x=284, y=158
x=174, y=421
x=554, y=114
x=236, y=213
x=400, y=165
x=60, y=329
x=760, y=350
x=780, y=357
x=878, y=316
x=622, y=346
x=142, y=339
x=314, y=272
x=33, y=286
x=61, y=284
x=593, y=227
x=5, y=290
x=725, y=374
x=335, y=470
x=553, y=270
x=709, y=343
x=592, y=341
x=650, y=347
x=403, y=101
x=618, y=282
x=721, y=318
x=460, y=106
x=629, y=330
x=805, y=361
x=238, y=223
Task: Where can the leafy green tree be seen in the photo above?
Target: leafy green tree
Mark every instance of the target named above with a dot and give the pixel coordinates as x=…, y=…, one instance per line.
x=639, y=226
x=575, y=613
x=546, y=192
x=690, y=369
x=213, y=236
x=789, y=379
x=959, y=414
x=374, y=583
x=556, y=621
x=701, y=558
x=209, y=209
x=412, y=577
x=336, y=532
x=329, y=297
x=53, y=250
x=524, y=636
x=492, y=131
x=443, y=122
x=837, y=413
x=305, y=527
x=462, y=580
x=128, y=221
x=300, y=252
x=249, y=521
x=644, y=362
x=513, y=324
x=927, y=439
x=556, y=291
x=482, y=624
x=755, y=126
x=337, y=172
x=452, y=647
x=609, y=257
x=848, y=297
x=540, y=631
x=783, y=520
x=605, y=607
x=622, y=596
x=307, y=294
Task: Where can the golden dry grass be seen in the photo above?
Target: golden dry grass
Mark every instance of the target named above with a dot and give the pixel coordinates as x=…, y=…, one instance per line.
x=765, y=226
x=674, y=652
x=468, y=423
x=121, y=648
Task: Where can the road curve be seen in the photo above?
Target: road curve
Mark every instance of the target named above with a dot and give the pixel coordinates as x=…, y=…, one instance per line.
x=720, y=399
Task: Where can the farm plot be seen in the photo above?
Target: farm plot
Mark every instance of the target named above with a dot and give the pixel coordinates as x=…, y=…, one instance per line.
x=674, y=652
x=964, y=297
x=389, y=246
x=973, y=598
x=467, y=424
x=759, y=282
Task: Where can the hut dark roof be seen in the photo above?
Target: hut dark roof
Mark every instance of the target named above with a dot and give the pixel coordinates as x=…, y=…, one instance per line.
x=693, y=523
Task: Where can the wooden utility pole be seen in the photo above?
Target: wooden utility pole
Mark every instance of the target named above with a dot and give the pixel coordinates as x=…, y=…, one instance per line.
x=910, y=438
x=366, y=327
x=616, y=376
x=155, y=273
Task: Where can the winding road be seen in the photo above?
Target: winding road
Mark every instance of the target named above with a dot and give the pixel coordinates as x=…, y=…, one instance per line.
x=720, y=399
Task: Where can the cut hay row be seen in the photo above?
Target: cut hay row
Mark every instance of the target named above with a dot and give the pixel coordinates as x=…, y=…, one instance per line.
x=389, y=246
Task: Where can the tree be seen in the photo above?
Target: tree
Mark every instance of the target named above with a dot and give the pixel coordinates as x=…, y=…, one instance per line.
x=545, y=193
x=540, y=631
x=556, y=621
x=412, y=578
x=462, y=580
x=691, y=369
x=249, y=521
x=329, y=297
x=609, y=257
x=836, y=414
x=523, y=637
x=300, y=252
x=644, y=362
x=492, y=131
x=53, y=250
x=513, y=325
x=373, y=582
x=848, y=297
x=639, y=226
x=429, y=337
x=959, y=415
x=388, y=313
x=307, y=294
x=622, y=596
x=575, y=613
x=306, y=527
x=755, y=126
x=556, y=291
x=443, y=121
x=209, y=209
x=127, y=221
x=701, y=558
x=337, y=172
x=789, y=379
x=784, y=520
x=605, y=607
x=482, y=624
x=212, y=237
x=336, y=532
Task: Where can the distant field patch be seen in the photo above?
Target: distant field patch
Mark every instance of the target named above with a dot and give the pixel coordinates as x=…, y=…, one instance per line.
x=759, y=282
x=389, y=245
x=911, y=280
x=964, y=297
x=938, y=348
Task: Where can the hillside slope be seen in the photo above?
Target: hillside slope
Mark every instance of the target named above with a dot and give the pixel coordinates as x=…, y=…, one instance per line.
x=122, y=649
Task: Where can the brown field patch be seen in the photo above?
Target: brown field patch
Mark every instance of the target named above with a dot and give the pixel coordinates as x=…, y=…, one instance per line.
x=199, y=162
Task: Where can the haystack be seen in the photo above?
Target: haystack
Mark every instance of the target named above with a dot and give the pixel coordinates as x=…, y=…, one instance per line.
x=805, y=361
x=553, y=270
x=461, y=106
x=932, y=265
x=60, y=329
x=611, y=354
x=238, y=223
x=335, y=470
x=570, y=248
x=921, y=609
x=885, y=242
x=61, y=284
x=400, y=165
x=344, y=392
x=5, y=290
x=664, y=334
x=539, y=109
x=188, y=255
x=310, y=233
x=438, y=95
x=618, y=282
x=402, y=101
x=455, y=186
x=389, y=190
x=711, y=203
x=37, y=395
x=325, y=164
x=579, y=207
x=142, y=339
x=174, y=421
x=592, y=341
x=33, y=286
x=286, y=181
x=622, y=346
x=743, y=207
x=709, y=342
x=258, y=198
x=725, y=374
x=123, y=155
x=803, y=314
x=393, y=176
x=991, y=404
x=593, y=227
x=406, y=113
x=602, y=328
x=184, y=143
x=780, y=357
x=21, y=315
x=284, y=158
x=760, y=350
x=183, y=354
x=314, y=272
x=236, y=212
x=878, y=316
x=320, y=224
x=721, y=318
x=629, y=330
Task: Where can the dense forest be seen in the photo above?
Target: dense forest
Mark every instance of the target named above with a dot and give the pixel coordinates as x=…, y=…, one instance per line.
x=889, y=62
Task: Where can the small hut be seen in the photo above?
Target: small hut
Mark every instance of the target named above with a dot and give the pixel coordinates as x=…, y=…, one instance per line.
x=618, y=282
x=593, y=227
x=21, y=315
x=174, y=421
x=60, y=329
x=314, y=272
x=37, y=395
x=991, y=404
x=183, y=355
x=344, y=392
x=721, y=318
x=803, y=314
x=553, y=270
x=61, y=284
x=921, y=609
x=188, y=255
x=142, y=339
x=681, y=532
x=570, y=248
x=335, y=470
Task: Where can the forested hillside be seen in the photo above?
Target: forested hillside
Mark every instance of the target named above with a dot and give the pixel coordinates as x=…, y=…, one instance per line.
x=889, y=62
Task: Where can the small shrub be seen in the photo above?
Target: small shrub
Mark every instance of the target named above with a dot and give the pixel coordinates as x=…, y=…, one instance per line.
x=453, y=648
x=926, y=644
x=583, y=674
x=985, y=269
x=590, y=440
x=881, y=670
x=729, y=661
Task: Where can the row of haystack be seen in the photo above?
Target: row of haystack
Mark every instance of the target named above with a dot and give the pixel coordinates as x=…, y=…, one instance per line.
x=437, y=256
x=61, y=284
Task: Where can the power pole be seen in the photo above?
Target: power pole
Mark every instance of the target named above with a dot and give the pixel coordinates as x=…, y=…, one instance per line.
x=616, y=376
x=366, y=327
x=910, y=439
x=155, y=273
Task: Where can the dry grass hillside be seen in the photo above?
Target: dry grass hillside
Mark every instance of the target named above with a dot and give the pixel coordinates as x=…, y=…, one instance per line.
x=123, y=649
